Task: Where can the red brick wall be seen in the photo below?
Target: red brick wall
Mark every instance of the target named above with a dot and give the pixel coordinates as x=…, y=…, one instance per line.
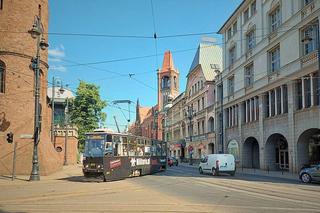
x=17, y=103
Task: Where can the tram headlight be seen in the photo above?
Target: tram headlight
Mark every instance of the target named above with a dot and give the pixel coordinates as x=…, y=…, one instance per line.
x=100, y=167
x=86, y=166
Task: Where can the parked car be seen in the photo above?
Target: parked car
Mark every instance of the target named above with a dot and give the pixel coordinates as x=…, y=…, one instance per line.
x=218, y=163
x=310, y=172
x=172, y=161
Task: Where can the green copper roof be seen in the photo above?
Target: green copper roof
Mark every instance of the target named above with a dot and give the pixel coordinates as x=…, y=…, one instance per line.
x=208, y=56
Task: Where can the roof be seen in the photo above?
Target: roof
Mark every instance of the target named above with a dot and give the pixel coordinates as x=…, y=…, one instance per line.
x=207, y=56
x=58, y=96
x=144, y=112
x=234, y=12
x=167, y=64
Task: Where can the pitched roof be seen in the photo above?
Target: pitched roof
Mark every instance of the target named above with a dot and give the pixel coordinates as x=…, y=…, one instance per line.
x=207, y=56
x=144, y=112
x=167, y=63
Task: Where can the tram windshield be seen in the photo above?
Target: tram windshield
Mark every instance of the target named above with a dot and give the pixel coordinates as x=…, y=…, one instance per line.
x=94, y=148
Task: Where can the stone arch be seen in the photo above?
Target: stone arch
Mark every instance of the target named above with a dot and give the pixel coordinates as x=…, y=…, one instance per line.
x=211, y=124
x=276, y=152
x=2, y=76
x=308, y=147
x=250, y=153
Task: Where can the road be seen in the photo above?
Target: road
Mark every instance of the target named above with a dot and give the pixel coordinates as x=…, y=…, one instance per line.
x=179, y=189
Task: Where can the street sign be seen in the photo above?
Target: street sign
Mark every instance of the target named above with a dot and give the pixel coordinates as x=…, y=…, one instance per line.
x=26, y=136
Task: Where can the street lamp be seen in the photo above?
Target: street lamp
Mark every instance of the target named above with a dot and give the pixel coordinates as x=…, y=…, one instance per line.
x=190, y=114
x=36, y=33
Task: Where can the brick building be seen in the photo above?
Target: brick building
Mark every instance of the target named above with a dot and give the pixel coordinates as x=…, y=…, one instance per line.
x=150, y=121
x=17, y=88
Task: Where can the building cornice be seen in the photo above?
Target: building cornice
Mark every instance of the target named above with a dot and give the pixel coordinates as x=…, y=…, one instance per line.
x=5, y=52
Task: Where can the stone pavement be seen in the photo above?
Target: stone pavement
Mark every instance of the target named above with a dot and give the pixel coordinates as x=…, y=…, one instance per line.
x=257, y=172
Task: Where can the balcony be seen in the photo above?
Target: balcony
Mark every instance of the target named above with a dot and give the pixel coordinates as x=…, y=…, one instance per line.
x=309, y=59
x=307, y=10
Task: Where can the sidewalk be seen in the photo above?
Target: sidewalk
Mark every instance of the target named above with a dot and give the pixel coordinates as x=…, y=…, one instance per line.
x=257, y=172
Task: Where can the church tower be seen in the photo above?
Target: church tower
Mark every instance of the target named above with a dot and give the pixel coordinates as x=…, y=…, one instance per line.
x=168, y=81
x=17, y=90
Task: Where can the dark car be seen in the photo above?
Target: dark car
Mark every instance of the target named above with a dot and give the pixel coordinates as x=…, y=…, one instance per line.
x=310, y=172
x=172, y=161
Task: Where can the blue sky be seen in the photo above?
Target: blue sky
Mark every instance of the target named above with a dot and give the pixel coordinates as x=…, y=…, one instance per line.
x=128, y=18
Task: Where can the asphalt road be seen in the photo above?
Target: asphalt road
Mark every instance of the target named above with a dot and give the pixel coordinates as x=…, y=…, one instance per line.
x=179, y=189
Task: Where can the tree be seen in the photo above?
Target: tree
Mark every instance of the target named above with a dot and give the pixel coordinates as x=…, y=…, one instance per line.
x=86, y=110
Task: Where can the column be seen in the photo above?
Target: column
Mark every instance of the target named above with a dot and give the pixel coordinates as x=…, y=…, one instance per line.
x=250, y=110
x=282, y=101
x=234, y=115
x=270, y=102
x=246, y=111
x=229, y=112
x=303, y=93
x=254, y=109
x=312, y=89
x=275, y=102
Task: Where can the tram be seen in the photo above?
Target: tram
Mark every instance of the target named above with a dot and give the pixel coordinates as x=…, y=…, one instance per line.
x=114, y=156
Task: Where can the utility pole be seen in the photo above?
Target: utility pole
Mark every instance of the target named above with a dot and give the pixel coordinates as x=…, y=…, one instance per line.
x=36, y=33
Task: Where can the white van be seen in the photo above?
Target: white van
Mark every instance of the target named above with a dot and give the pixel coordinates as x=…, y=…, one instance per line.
x=215, y=163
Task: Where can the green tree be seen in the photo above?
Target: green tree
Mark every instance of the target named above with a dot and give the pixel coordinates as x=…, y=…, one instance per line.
x=86, y=110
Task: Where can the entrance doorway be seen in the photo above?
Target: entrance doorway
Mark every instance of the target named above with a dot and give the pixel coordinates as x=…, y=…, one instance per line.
x=250, y=153
x=276, y=152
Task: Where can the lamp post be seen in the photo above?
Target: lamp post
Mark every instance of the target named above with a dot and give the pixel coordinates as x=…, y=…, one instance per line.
x=36, y=33
x=190, y=114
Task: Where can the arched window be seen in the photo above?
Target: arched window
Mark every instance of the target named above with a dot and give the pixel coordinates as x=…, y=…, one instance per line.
x=2, y=76
x=166, y=83
x=211, y=124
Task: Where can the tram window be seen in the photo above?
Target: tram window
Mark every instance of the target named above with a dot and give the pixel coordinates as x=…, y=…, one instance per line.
x=109, y=138
x=158, y=149
x=108, y=148
x=147, y=150
x=124, y=146
x=115, y=149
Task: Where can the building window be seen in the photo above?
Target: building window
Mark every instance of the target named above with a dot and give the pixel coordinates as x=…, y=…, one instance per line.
x=2, y=76
x=309, y=38
x=285, y=98
x=175, y=81
x=232, y=55
x=211, y=124
x=202, y=102
x=246, y=15
x=251, y=39
x=299, y=94
x=267, y=104
x=166, y=83
x=275, y=19
x=248, y=75
x=231, y=86
x=274, y=59
x=198, y=127
x=201, y=84
x=1, y=4
x=229, y=33
x=306, y=2
x=199, y=105
x=202, y=122
x=253, y=8
x=235, y=28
